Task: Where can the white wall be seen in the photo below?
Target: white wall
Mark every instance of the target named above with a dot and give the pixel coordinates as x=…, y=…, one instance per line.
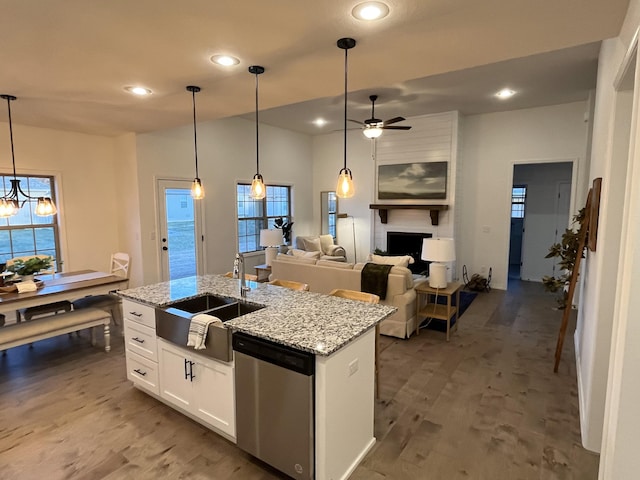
x=83, y=166
x=226, y=155
x=611, y=309
x=491, y=144
x=542, y=181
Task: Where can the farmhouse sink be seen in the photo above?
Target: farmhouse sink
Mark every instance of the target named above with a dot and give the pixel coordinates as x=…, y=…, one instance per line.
x=172, y=322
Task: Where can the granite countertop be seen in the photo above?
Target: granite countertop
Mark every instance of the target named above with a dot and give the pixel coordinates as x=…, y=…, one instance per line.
x=308, y=321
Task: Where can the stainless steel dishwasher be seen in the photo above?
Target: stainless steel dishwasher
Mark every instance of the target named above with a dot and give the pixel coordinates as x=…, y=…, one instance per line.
x=275, y=404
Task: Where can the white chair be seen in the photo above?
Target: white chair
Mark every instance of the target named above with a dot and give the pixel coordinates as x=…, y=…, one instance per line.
x=108, y=302
x=55, y=307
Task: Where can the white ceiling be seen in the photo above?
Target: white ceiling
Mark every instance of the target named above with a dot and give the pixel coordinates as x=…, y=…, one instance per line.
x=67, y=61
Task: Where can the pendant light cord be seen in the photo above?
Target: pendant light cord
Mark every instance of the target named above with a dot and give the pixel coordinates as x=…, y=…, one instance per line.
x=13, y=156
x=195, y=135
x=257, y=131
x=345, y=108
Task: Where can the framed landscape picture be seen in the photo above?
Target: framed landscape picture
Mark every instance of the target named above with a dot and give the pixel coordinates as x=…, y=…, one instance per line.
x=413, y=181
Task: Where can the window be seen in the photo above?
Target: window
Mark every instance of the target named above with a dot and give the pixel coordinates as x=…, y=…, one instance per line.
x=518, y=197
x=26, y=233
x=255, y=215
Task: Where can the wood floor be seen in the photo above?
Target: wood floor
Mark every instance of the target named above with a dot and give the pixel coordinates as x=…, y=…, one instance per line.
x=484, y=406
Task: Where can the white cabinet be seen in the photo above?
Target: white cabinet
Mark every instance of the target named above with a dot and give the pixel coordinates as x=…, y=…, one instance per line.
x=141, y=348
x=201, y=386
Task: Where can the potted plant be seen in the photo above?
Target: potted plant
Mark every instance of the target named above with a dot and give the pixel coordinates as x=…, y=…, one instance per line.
x=286, y=228
x=568, y=253
x=28, y=268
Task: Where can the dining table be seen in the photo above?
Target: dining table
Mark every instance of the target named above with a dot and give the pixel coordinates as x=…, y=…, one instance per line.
x=63, y=286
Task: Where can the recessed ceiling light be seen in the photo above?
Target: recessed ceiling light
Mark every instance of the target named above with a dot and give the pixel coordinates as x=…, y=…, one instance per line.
x=505, y=93
x=225, y=60
x=370, y=11
x=319, y=122
x=139, y=91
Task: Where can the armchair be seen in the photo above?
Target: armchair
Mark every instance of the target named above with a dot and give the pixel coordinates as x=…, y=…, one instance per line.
x=323, y=244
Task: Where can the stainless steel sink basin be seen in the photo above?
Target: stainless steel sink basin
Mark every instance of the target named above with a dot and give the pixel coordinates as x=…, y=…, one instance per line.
x=172, y=322
x=202, y=303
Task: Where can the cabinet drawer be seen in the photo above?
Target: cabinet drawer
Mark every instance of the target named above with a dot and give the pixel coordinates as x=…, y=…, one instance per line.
x=137, y=312
x=141, y=340
x=143, y=372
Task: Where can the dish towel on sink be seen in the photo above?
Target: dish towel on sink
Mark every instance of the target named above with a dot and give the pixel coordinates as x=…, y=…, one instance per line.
x=198, y=329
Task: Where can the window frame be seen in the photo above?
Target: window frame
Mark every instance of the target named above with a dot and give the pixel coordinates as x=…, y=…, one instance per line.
x=265, y=219
x=55, y=222
x=517, y=200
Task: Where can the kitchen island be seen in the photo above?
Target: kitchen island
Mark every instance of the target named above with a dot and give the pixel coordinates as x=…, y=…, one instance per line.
x=338, y=332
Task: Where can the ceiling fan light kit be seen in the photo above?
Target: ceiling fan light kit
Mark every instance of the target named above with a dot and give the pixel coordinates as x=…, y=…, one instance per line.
x=258, y=190
x=345, y=188
x=372, y=127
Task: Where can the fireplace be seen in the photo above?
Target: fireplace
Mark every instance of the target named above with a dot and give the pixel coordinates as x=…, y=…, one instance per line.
x=406, y=243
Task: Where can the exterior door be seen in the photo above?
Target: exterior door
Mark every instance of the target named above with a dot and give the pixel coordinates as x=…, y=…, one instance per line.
x=181, y=238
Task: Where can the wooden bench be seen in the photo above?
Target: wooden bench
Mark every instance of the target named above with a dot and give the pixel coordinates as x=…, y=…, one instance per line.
x=54, y=325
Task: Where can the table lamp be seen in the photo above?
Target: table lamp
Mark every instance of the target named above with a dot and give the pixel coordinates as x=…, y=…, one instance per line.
x=437, y=251
x=271, y=239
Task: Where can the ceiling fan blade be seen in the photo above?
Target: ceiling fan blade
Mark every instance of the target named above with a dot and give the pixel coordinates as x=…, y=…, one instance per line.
x=396, y=127
x=356, y=121
x=394, y=120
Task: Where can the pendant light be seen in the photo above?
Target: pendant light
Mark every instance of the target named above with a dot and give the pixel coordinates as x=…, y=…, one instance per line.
x=10, y=204
x=345, y=188
x=197, y=191
x=258, y=190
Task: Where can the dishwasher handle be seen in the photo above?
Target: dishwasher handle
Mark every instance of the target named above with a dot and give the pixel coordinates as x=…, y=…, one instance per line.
x=275, y=353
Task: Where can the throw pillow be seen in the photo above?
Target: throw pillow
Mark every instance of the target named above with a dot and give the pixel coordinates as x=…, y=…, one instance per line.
x=402, y=261
x=404, y=271
x=312, y=244
x=291, y=259
x=326, y=242
x=301, y=253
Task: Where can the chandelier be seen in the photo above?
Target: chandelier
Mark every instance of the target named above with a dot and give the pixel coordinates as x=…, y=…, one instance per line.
x=11, y=203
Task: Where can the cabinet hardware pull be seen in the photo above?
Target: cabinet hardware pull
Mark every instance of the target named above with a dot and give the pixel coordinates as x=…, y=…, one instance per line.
x=137, y=370
x=135, y=314
x=186, y=373
x=191, y=364
x=138, y=339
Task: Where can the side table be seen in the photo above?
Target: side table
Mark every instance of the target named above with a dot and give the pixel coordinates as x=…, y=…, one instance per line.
x=262, y=272
x=427, y=306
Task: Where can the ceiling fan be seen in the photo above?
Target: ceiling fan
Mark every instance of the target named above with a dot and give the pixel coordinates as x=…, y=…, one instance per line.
x=372, y=127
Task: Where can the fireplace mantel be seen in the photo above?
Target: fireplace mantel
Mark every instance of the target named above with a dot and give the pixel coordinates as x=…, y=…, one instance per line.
x=383, y=208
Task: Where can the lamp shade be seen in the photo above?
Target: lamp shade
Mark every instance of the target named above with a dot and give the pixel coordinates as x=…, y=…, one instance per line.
x=438, y=250
x=271, y=238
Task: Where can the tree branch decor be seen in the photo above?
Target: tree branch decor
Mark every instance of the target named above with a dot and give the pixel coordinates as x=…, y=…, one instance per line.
x=567, y=251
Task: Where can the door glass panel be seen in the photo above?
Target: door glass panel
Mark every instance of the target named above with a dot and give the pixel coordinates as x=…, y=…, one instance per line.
x=181, y=233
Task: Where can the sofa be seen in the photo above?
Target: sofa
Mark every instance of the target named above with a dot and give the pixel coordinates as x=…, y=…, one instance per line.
x=320, y=246
x=322, y=276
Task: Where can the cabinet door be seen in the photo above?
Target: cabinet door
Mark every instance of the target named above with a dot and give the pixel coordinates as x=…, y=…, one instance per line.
x=174, y=367
x=214, y=399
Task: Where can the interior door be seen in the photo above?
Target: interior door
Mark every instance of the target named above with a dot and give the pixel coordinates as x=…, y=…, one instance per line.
x=180, y=228
x=562, y=215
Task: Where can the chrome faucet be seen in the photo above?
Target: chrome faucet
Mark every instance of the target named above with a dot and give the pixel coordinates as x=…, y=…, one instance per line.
x=238, y=272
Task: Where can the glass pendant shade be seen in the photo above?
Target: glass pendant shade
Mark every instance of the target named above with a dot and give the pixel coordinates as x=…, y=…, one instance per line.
x=45, y=207
x=258, y=190
x=8, y=208
x=372, y=132
x=345, y=189
x=197, y=190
